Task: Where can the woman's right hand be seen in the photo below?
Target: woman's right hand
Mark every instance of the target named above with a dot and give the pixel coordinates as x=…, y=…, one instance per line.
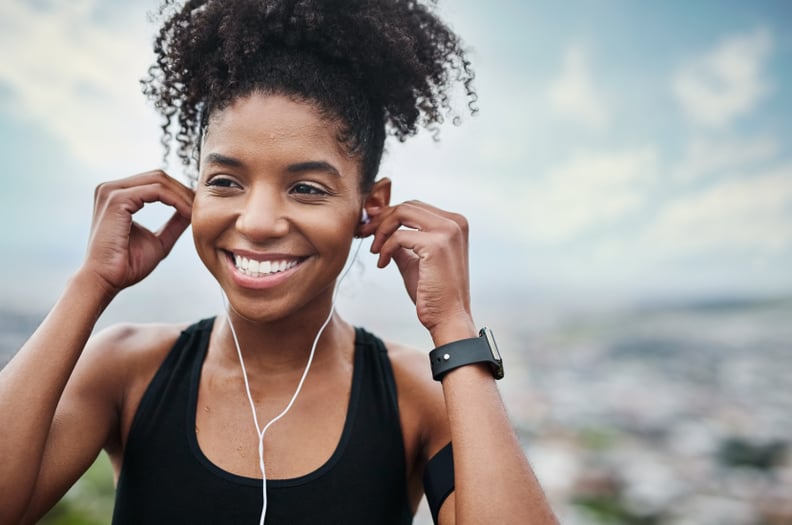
x=121, y=252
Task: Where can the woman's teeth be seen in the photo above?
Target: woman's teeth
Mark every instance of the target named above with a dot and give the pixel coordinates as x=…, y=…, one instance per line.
x=255, y=268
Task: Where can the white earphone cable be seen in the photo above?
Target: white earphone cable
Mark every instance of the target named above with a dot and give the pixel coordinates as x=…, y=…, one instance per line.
x=262, y=431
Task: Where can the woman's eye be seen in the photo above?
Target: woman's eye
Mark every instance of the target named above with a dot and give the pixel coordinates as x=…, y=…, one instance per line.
x=221, y=182
x=308, y=189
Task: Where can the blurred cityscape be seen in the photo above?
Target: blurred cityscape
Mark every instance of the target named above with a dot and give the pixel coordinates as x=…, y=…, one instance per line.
x=665, y=415
x=674, y=414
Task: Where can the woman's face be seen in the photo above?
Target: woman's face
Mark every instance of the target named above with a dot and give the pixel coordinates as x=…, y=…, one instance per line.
x=276, y=206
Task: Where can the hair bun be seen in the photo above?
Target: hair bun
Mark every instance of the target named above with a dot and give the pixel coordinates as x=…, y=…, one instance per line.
x=394, y=61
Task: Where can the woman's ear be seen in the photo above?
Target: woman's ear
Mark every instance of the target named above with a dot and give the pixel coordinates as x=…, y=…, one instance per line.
x=375, y=201
x=378, y=197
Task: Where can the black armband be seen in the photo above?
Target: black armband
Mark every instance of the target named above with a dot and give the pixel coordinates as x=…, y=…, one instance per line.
x=438, y=479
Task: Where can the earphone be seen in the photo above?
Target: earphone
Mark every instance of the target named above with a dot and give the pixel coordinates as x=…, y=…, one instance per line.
x=261, y=431
x=364, y=217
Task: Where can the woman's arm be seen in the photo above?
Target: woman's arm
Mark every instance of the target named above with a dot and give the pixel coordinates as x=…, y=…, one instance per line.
x=31, y=385
x=493, y=481
x=43, y=430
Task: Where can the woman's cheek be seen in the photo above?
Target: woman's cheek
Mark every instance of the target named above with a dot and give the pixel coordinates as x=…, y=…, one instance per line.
x=203, y=228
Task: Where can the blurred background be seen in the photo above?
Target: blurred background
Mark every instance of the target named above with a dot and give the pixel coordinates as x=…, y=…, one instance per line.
x=629, y=185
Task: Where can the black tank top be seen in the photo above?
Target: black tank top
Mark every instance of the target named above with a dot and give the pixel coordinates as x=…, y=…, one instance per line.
x=166, y=478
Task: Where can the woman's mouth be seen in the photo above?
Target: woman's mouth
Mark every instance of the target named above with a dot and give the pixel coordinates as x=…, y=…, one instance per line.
x=255, y=268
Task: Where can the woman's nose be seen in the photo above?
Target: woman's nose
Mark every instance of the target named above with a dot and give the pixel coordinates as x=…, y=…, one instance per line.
x=262, y=216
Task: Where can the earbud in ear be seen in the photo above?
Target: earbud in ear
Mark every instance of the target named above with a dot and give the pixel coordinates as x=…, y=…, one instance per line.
x=364, y=217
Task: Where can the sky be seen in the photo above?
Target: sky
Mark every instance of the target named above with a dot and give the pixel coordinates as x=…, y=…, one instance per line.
x=632, y=150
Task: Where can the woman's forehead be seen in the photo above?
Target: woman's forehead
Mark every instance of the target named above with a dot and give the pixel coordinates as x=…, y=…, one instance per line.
x=277, y=113
x=272, y=119
x=275, y=125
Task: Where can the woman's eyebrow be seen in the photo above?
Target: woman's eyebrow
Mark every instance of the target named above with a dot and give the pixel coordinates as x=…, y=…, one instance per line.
x=222, y=160
x=300, y=167
x=313, y=165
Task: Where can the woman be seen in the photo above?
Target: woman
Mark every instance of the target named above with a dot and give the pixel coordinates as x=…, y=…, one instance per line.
x=280, y=409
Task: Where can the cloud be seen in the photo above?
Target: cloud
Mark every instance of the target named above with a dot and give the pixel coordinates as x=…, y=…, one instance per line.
x=78, y=79
x=709, y=157
x=588, y=192
x=726, y=82
x=573, y=95
x=737, y=215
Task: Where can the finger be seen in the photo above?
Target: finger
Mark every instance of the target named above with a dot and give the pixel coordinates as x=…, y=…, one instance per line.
x=403, y=258
x=149, y=177
x=374, y=222
x=159, y=177
x=133, y=199
x=408, y=215
x=407, y=262
x=426, y=206
x=172, y=230
x=384, y=216
x=459, y=220
x=413, y=240
x=434, y=211
x=422, y=220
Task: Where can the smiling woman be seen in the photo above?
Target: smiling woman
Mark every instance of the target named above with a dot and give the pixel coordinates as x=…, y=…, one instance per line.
x=276, y=189
x=282, y=108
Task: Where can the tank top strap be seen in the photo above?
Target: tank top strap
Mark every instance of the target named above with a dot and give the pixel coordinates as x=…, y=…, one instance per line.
x=375, y=357
x=182, y=363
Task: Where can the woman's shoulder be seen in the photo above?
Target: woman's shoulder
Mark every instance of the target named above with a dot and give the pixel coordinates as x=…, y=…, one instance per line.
x=136, y=340
x=117, y=365
x=126, y=353
x=409, y=361
x=421, y=398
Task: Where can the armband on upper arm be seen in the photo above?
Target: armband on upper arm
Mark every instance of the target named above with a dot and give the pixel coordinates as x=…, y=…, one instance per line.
x=438, y=479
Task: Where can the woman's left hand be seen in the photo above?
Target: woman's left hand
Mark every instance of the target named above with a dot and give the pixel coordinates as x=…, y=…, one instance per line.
x=430, y=247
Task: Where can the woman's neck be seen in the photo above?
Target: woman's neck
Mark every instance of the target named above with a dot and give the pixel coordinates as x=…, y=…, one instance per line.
x=283, y=346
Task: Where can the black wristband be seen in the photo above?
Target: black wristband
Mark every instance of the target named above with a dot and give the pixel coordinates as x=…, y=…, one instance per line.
x=480, y=349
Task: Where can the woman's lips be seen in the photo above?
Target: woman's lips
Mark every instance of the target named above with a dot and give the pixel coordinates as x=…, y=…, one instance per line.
x=256, y=268
x=264, y=270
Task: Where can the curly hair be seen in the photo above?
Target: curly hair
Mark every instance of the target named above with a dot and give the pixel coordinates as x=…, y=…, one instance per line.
x=378, y=66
